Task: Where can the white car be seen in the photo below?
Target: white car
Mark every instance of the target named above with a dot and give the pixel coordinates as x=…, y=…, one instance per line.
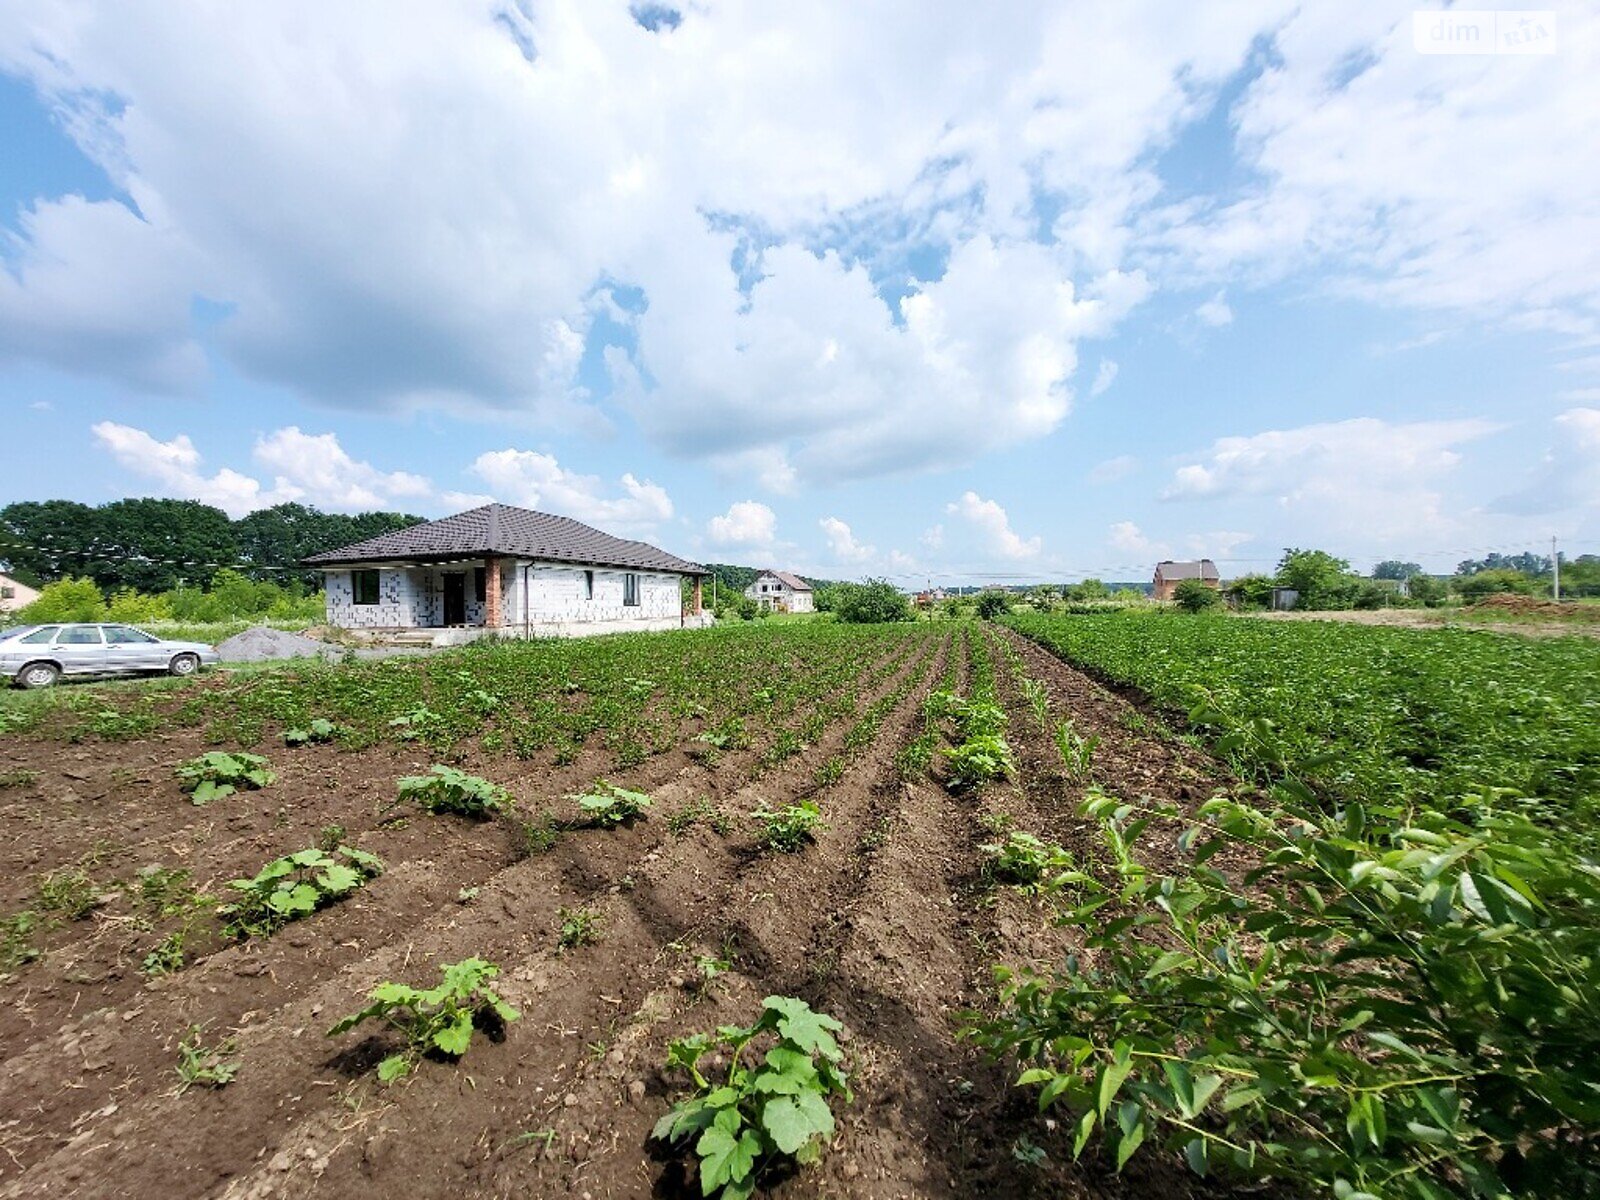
x=33, y=656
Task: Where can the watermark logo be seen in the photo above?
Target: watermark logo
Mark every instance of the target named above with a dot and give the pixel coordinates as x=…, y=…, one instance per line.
x=1459, y=31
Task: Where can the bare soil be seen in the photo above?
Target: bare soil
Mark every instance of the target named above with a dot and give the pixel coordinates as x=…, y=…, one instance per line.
x=885, y=922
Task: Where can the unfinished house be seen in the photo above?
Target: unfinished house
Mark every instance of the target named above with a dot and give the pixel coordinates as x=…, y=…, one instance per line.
x=508, y=571
x=779, y=591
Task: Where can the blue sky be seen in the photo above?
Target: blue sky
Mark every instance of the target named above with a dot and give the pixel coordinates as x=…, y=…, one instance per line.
x=952, y=298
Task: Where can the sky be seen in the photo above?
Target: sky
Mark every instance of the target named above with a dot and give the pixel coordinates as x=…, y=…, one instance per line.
x=938, y=292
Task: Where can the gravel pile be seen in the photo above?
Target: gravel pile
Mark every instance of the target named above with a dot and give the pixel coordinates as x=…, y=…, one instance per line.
x=260, y=643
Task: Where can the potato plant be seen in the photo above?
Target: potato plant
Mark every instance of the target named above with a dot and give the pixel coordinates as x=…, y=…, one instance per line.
x=219, y=773
x=295, y=886
x=439, y=1020
x=1028, y=862
x=789, y=828
x=760, y=1111
x=449, y=790
x=608, y=804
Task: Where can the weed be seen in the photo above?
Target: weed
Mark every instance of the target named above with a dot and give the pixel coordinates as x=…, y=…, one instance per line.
x=21, y=777
x=997, y=823
x=16, y=944
x=831, y=771
x=610, y=805
x=439, y=1020
x=579, y=927
x=759, y=1114
x=1029, y=863
x=914, y=759
x=528, y=1137
x=541, y=836
x=789, y=828
x=165, y=890
x=205, y=1066
x=330, y=838
x=295, y=886
x=467, y=895
x=69, y=893
x=216, y=774
x=166, y=956
x=448, y=790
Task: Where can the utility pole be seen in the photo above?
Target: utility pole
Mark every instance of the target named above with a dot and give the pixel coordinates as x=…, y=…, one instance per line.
x=1555, y=570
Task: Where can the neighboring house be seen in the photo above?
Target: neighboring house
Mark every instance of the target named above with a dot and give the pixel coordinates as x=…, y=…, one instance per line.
x=780, y=591
x=1169, y=574
x=510, y=571
x=14, y=595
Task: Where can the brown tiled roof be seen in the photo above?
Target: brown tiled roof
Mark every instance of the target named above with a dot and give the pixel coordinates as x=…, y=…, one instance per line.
x=516, y=532
x=793, y=582
x=1204, y=569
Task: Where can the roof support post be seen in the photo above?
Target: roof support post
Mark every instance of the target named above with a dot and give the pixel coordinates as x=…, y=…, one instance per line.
x=491, y=592
x=699, y=597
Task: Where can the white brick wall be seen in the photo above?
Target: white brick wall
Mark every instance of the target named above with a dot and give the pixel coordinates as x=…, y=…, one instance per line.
x=414, y=597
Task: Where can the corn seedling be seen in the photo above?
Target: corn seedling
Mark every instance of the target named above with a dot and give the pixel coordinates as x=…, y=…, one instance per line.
x=610, y=805
x=295, y=886
x=217, y=773
x=448, y=790
x=1038, y=700
x=439, y=1020
x=1077, y=751
x=760, y=1113
x=789, y=828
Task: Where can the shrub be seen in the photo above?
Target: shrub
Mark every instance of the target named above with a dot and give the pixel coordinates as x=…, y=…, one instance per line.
x=874, y=602
x=439, y=1020
x=1251, y=591
x=608, y=804
x=295, y=886
x=1492, y=583
x=66, y=599
x=448, y=790
x=136, y=608
x=217, y=773
x=789, y=828
x=760, y=1113
x=1194, y=596
x=1400, y=1007
x=992, y=604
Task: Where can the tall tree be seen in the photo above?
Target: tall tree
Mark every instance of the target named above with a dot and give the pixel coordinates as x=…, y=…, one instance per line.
x=1393, y=568
x=154, y=545
x=48, y=539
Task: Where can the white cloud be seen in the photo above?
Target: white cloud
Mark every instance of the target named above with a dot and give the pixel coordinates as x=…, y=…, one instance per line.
x=1568, y=478
x=1363, y=478
x=1581, y=394
x=175, y=466
x=933, y=537
x=842, y=542
x=747, y=524
x=1130, y=539
x=1114, y=469
x=1105, y=375
x=1363, y=149
x=316, y=466
x=533, y=480
x=402, y=257
x=1218, y=544
x=991, y=520
x=1215, y=312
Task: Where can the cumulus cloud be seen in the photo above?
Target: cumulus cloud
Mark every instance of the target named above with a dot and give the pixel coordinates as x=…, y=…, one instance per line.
x=650, y=212
x=316, y=465
x=533, y=480
x=995, y=526
x=174, y=466
x=1568, y=478
x=1363, y=477
x=747, y=524
x=1127, y=537
x=1215, y=312
x=842, y=542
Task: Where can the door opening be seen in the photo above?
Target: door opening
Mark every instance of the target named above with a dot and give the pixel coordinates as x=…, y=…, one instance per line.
x=455, y=598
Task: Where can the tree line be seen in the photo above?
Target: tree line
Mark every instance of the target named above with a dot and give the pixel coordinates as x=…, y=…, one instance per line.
x=151, y=546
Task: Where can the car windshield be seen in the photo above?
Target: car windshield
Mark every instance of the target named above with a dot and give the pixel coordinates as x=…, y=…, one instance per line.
x=43, y=634
x=126, y=633
x=16, y=631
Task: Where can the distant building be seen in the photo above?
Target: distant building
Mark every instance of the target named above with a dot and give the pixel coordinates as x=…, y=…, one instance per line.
x=929, y=598
x=1170, y=574
x=779, y=591
x=14, y=595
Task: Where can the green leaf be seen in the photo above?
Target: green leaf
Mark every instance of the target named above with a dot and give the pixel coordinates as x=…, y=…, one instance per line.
x=810, y=1031
x=726, y=1154
x=792, y=1121
x=1169, y=960
x=393, y=1067
x=1112, y=1076
x=456, y=1036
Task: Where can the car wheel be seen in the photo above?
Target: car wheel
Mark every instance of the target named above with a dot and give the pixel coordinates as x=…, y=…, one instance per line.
x=184, y=664
x=38, y=675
